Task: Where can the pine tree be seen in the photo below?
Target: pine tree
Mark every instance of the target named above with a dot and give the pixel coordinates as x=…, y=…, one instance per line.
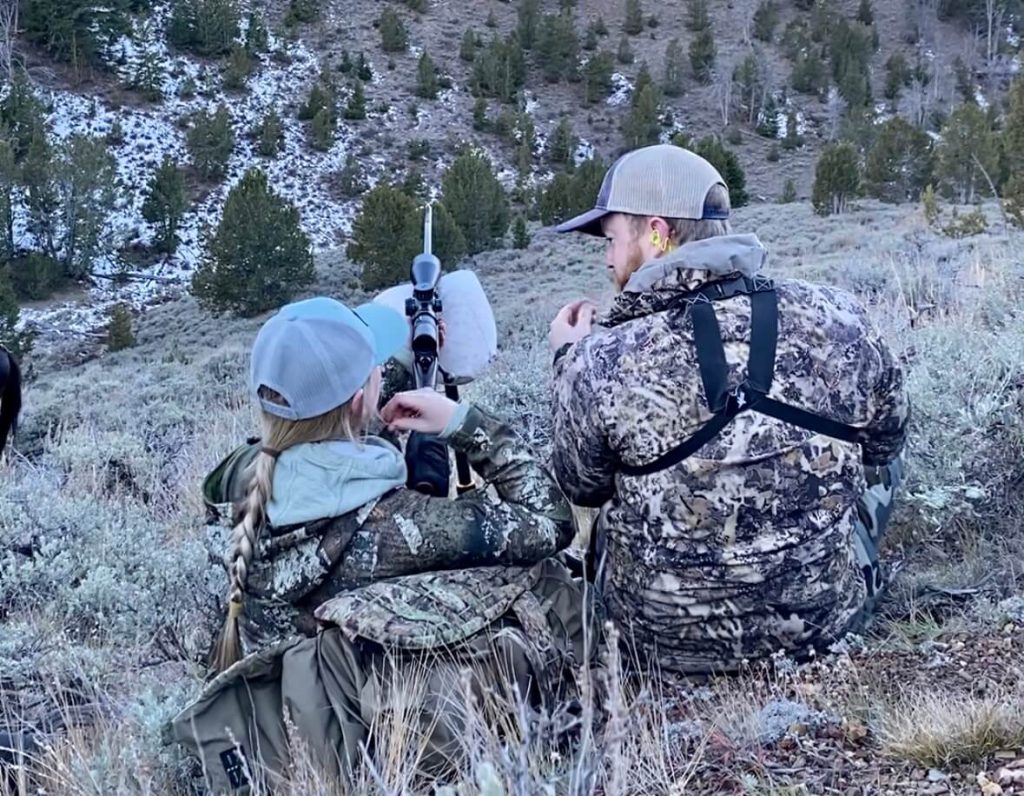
x=258, y=257
x=238, y=68
x=520, y=235
x=1013, y=128
x=270, y=135
x=697, y=16
x=165, y=203
x=748, y=78
x=866, y=13
x=529, y=19
x=702, y=55
x=356, y=107
x=597, y=77
x=476, y=201
x=8, y=198
x=766, y=17
x=85, y=180
x=210, y=141
x=625, y=53
x=393, y=36
x=349, y=182
x=206, y=27
x=480, y=114
x=600, y=27
x=363, y=70
x=793, y=139
x=499, y=71
x=590, y=42
x=634, y=22
x=119, y=328
x=788, y=192
x=809, y=75
x=426, y=78
x=321, y=131
x=897, y=75
x=492, y=21
x=969, y=150
x=563, y=144
x=256, y=38
x=899, y=164
x=148, y=77
x=643, y=80
x=836, y=179
x=642, y=126
x=851, y=56
x=467, y=49
x=557, y=48
x=674, y=69
x=728, y=165
x=22, y=116
x=18, y=343
x=302, y=11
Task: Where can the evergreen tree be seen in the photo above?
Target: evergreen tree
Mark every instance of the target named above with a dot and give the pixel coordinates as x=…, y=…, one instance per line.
x=520, y=235
x=363, y=70
x=480, y=114
x=349, y=182
x=321, y=131
x=866, y=13
x=597, y=77
x=625, y=53
x=492, y=21
x=897, y=75
x=836, y=179
x=643, y=80
x=148, y=77
x=809, y=75
x=642, y=126
x=634, y=22
x=8, y=198
x=205, y=27
x=557, y=48
x=590, y=41
x=302, y=11
x=499, y=71
x=467, y=49
x=674, y=76
x=748, y=78
x=270, y=135
x=476, y=201
x=728, y=165
x=529, y=19
x=851, y=56
x=899, y=164
x=238, y=68
x=383, y=239
x=210, y=141
x=165, y=203
x=356, y=107
x=86, y=180
x=393, y=36
x=793, y=139
x=18, y=343
x=969, y=150
x=22, y=116
x=702, y=55
x=1013, y=129
x=426, y=78
x=42, y=200
x=73, y=31
x=256, y=38
x=563, y=144
x=766, y=17
x=119, y=328
x=697, y=16
x=788, y=193
x=258, y=258
x=600, y=27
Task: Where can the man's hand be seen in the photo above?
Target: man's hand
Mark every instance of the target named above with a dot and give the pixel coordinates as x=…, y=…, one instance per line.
x=573, y=322
x=423, y=410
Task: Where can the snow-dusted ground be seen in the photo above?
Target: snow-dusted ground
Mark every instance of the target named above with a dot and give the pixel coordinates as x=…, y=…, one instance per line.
x=151, y=132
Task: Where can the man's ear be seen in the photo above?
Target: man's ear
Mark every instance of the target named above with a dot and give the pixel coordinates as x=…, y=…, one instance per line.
x=659, y=225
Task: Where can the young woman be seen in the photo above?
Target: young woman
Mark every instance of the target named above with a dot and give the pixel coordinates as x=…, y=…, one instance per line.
x=345, y=585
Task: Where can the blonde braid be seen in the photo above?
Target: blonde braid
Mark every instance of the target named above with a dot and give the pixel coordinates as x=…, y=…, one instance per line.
x=244, y=537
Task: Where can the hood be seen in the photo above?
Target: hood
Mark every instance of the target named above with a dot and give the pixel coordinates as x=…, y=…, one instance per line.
x=658, y=282
x=328, y=479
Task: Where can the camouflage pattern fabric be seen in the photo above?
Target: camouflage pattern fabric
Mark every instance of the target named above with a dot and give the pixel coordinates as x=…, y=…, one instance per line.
x=518, y=517
x=746, y=547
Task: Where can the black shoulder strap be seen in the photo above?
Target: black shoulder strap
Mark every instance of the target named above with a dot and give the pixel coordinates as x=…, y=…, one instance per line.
x=714, y=371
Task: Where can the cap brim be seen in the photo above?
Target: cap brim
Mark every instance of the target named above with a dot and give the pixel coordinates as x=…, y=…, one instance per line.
x=588, y=223
x=390, y=330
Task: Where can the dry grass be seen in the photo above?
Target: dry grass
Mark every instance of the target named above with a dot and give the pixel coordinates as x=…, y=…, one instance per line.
x=937, y=730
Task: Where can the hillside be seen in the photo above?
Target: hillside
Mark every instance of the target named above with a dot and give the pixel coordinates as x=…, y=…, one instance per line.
x=138, y=89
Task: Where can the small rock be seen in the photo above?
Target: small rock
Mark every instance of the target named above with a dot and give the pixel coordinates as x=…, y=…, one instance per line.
x=934, y=775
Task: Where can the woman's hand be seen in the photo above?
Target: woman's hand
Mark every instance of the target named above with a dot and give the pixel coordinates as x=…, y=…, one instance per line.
x=423, y=410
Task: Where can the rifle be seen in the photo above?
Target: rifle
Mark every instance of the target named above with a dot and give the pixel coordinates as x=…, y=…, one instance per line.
x=423, y=308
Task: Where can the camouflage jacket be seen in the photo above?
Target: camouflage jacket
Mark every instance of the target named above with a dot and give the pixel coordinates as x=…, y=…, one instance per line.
x=745, y=547
x=518, y=517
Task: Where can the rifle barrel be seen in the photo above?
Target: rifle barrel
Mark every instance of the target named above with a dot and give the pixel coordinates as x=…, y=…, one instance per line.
x=427, y=230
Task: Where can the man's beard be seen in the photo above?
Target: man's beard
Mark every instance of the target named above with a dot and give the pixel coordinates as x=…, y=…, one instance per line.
x=636, y=259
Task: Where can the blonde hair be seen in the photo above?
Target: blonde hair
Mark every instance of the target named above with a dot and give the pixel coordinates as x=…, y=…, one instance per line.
x=685, y=230
x=278, y=434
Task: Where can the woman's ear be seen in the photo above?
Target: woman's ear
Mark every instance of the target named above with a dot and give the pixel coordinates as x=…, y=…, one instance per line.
x=357, y=402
